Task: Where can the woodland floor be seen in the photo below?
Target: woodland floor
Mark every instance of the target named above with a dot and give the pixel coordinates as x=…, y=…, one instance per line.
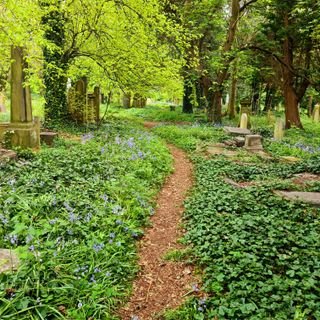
x=163, y=284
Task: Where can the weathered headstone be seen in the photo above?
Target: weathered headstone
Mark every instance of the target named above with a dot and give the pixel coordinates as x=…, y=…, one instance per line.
x=77, y=101
x=316, y=113
x=246, y=108
x=244, y=121
x=279, y=130
x=8, y=260
x=22, y=130
x=48, y=137
x=253, y=142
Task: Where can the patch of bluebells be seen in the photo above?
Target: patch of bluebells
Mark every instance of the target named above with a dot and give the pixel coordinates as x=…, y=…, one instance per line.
x=87, y=137
x=302, y=146
x=12, y=238
x=3, y=219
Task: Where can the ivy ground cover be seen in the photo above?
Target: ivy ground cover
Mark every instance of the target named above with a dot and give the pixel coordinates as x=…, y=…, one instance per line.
x=259, y=254
x=73, y=214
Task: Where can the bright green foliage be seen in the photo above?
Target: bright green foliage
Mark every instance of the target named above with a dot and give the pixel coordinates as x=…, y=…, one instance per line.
x=75, y=211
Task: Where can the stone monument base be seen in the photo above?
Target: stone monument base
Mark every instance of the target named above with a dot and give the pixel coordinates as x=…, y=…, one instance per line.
x=23, y=134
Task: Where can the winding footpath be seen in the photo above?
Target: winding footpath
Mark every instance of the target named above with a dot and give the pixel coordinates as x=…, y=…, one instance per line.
x=163, y=284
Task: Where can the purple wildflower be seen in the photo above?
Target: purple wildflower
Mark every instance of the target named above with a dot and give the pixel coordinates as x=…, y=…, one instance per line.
x=98, y=247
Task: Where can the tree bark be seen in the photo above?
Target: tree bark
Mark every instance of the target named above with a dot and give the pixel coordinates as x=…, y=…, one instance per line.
x=187, y=101
x=233, y=93
x=291, y=100
x=215, y=106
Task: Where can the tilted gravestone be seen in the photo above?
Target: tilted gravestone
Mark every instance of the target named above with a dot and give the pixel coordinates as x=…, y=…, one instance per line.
x=22, y=130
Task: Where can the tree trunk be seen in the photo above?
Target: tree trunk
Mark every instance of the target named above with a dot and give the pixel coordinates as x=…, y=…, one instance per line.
x=187, y=97
x=255, y=96
x=55, y=67
x=215, y=107
x=291, y=100
x=270, y=91
x=233, y=94
x=310, y=109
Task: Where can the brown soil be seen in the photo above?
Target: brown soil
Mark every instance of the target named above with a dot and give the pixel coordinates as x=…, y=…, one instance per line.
x=163, y=284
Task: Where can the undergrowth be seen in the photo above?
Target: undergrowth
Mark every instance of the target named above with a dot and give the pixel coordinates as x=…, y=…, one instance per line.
x=73, y=214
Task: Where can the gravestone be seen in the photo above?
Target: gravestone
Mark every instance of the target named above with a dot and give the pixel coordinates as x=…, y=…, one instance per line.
x=270, y=117
x=316, y=113
x=77, y=101
x=8, y=260
x=279, y=130
x=244, y=121
x=236, y=131
x=21, y=131
x=253, y=142
x=246, y=108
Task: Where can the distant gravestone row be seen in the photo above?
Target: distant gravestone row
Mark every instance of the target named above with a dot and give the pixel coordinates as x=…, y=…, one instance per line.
x=84, y=107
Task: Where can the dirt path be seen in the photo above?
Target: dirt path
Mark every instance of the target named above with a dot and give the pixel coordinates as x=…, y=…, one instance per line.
x=163, y=284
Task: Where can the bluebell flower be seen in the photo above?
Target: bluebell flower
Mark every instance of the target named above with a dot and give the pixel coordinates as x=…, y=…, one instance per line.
x=96, y=270
x=105, y=197
x=53, y=221
x=32, y=248
x=11, y=182
x=195, y=288
x=3, y=219
x=12, y=238
x=98, y=247
x=72, y=217
x=92, y=279
x=88, y=217
x=119, y=222
x=117, y=140
x=131, y=143
x=79, y=305
x=67, y=206
x=103, y=150
x=116, y=209
x=112, y=235
x=108, y=274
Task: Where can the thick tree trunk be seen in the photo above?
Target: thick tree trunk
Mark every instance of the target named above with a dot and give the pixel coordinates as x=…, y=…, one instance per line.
x=55, y=67
x=215, y=106
x=291, y=100
x=187, y=106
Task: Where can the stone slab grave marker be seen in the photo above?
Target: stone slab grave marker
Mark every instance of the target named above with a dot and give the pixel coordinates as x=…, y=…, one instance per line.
x=278, y=130
x=48, y=137
x=24, y=131
x=316, y=113
x=253, y=142
x=236, y=131
x=312, y=198
x=8, y=260
x=244, y=121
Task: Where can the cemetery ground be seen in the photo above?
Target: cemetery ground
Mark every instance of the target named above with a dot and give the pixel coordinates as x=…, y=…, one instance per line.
x=75, y=212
